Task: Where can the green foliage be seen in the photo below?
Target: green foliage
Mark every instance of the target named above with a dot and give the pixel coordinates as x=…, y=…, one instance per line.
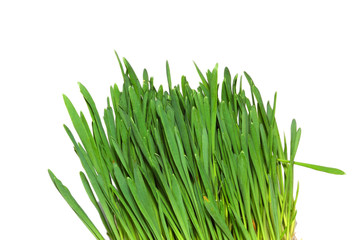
x=185, y=164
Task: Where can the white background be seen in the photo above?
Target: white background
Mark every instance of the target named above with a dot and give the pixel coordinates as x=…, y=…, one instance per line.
x=307, y=51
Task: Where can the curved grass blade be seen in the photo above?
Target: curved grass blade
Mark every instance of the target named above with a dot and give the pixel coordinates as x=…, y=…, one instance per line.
x=66, y=194
x=330, y=170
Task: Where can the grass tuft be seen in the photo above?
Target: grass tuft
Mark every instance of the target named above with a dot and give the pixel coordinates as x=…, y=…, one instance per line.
x=186, y=163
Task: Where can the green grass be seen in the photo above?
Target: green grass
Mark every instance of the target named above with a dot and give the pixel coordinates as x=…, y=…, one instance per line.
x=184, y=163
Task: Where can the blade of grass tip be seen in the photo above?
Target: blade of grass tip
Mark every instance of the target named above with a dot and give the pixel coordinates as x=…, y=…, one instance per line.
x=224, y=94
x=235, y=95
x=115, y=97
x=179, y=118
x=85, y=124
x=203, y=90
x=145, y=75
x=137, y=111
x=203, y=80
x=133, y=78
x=87, y=140
x=261, y=106
x=293, y=137
x=66, y=194
x=151, y=84
x=110, y=123
x=227, y=77
x=184, y=161
x=297, y=190
x=251, y=83
x=168, y=76
x=172, y=144
x=231, y=124
x=330, y=170
x=265, y=146
x=146, y=81
x=240, y=88
x=296, y=142
x=285, y=146
x=121, y=157
x=205, y=151
x=144, y=106
x=120, y=63
x=142, y=146
x=184, y=84
x=272, y=119
x=205, y=115
x=94, y=114
x=213, y=84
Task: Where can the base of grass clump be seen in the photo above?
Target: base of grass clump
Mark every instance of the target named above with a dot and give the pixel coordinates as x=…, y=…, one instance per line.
x=184, y=163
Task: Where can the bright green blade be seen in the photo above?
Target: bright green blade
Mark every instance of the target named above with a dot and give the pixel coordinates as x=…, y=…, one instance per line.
x=66, y=194
x=330, y=170
x=186, y=163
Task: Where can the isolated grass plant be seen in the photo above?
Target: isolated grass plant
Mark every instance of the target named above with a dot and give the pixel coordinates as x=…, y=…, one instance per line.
x=184, y=163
